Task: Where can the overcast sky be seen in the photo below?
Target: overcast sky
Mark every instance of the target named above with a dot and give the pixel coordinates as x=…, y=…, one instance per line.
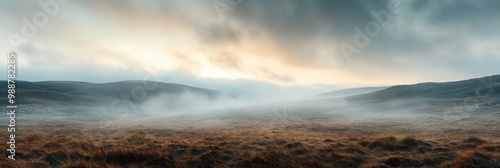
x=238, y=46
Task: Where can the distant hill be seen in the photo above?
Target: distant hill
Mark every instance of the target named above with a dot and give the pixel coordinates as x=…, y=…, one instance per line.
x=350, y=92
x=485, y=86
x=83, y=93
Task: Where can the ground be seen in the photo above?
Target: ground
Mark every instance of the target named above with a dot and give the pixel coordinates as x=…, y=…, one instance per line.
x=253, y=145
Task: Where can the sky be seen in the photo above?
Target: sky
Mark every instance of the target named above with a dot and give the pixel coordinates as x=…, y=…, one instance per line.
x=286, y=47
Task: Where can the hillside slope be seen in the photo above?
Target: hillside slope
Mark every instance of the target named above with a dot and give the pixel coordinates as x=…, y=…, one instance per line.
x=485, y=86
x=84, y=94
x=350, y=92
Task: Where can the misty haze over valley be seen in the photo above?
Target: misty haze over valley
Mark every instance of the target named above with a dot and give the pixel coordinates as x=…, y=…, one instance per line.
x=250, y=83
x=463, y=103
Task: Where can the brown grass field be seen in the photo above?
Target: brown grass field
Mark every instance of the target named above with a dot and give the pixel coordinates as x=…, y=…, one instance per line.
x=291, y=145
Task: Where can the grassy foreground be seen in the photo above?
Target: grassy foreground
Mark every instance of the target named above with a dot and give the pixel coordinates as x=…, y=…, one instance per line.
x=300, y=146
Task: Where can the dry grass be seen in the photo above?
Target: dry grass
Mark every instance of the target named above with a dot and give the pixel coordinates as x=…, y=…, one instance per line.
x=156, y=146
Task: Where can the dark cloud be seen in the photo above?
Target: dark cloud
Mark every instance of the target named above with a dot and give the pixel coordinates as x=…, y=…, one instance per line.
x=425, y=39
x=475, y=15
x=295, y=25
x=216, y=33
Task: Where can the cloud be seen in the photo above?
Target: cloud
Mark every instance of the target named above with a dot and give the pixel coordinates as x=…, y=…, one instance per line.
x=286, y=43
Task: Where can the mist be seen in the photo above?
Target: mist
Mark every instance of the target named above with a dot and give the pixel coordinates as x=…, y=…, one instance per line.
x=188, y=103
x=181, y=105
x=192, y=109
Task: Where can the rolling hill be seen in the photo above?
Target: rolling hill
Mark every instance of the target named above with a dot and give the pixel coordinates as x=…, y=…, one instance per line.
x=88, y=94
x=350, y=92
x=485, y=86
